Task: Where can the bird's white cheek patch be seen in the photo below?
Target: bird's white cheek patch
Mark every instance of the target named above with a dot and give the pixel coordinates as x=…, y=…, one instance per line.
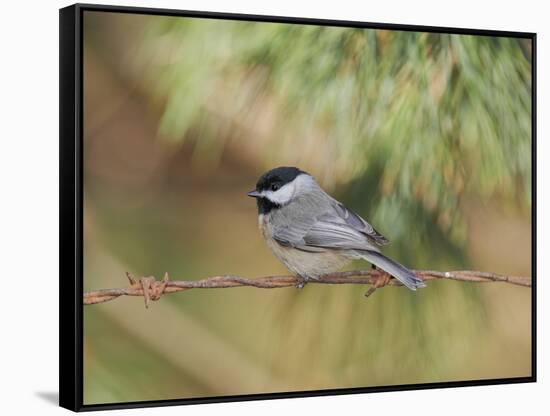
x=282, y=195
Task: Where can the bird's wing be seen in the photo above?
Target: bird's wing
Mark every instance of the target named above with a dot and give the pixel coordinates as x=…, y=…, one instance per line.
x=324, y=231
x=354, y=221
x=335, y=234
x=290, y=232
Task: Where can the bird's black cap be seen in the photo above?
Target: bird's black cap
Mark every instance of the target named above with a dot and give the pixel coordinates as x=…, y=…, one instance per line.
x=280, y=176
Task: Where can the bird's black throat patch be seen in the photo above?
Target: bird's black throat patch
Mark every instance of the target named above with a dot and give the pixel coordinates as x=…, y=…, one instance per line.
x=265, y=206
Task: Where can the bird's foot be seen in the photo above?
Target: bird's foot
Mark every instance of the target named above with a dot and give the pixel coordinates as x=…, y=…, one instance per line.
x=300, y=282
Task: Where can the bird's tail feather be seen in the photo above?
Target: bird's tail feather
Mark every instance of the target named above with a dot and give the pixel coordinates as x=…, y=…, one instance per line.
x=400, y=272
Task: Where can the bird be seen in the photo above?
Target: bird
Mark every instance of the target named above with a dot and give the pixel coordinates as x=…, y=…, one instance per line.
x=312, y=233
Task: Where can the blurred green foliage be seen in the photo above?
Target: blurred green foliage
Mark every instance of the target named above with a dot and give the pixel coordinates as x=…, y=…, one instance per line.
x=418, y=132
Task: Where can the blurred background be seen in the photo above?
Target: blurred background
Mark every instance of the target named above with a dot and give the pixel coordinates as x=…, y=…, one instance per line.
x=428, y=136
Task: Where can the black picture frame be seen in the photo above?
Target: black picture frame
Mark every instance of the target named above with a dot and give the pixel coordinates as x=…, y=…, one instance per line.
x=71, y=206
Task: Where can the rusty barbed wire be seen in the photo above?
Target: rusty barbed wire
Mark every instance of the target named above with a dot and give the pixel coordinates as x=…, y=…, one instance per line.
x=152, y=289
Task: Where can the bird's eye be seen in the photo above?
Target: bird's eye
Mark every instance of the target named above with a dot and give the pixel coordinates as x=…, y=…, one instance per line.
x=275, y=186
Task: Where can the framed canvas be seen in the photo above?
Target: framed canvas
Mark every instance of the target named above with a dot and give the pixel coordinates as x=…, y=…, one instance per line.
x=230, y=185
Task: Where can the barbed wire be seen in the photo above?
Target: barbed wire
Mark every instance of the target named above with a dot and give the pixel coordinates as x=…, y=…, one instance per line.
x=152, y=289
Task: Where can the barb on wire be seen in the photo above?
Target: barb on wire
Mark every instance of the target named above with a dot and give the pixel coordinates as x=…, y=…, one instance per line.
x=151, y=289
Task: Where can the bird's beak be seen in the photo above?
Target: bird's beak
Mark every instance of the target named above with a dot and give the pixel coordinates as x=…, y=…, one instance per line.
x=254, y=194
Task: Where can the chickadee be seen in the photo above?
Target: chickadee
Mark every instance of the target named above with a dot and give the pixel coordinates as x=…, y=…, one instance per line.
x=312, y=233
